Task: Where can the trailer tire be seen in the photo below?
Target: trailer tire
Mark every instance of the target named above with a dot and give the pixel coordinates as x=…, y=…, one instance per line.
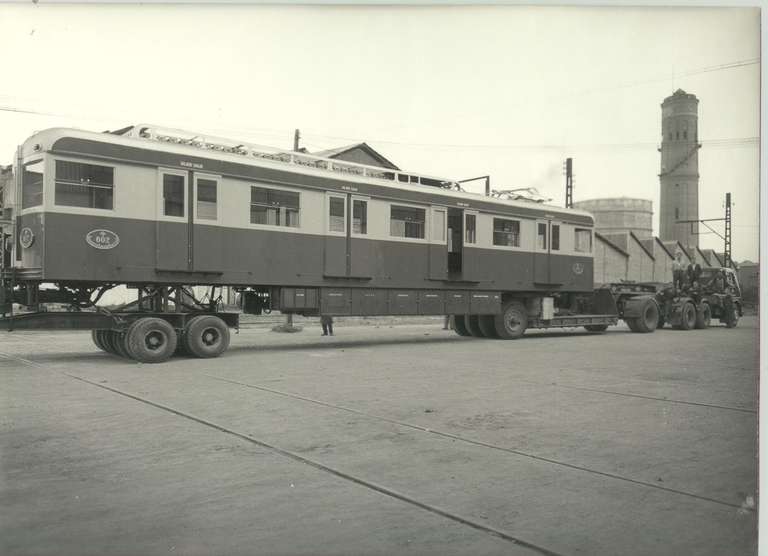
x=150, y=340
x=206, y=336
x=687, y=316
x=648, y=319
x=121, y=345
x=703, y=317
x=108, y=339
x=460, y=325
x=596, y=328
x=487, y=326
x=96, y=336
x=473, y=326
x=512, y=321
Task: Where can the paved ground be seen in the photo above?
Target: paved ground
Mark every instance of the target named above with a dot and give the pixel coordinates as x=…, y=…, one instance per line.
x=383, y=440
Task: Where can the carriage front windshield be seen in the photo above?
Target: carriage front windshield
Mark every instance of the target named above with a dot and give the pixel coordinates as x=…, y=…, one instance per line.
x=32, y=184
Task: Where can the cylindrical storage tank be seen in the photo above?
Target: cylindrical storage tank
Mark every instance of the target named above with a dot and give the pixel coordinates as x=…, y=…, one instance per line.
x=621, y=214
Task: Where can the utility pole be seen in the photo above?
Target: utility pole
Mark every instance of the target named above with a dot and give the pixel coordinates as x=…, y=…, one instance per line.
x=568, y=183
x=289, y=317
x=728, y=262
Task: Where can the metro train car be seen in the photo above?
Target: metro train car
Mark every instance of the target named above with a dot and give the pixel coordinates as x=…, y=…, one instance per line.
x=160, y=210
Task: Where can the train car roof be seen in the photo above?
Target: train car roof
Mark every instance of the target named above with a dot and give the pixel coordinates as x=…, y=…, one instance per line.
x=46, y=140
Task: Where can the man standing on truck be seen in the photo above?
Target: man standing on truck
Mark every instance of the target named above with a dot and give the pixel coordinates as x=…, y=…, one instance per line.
x=677, y=271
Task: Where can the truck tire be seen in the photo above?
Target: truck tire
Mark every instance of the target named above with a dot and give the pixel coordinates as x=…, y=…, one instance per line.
x=687, y=316
x=109, y=338
x=460, y=325
x=206, y=336
x=150, y=340
x=703, y=317
x=487, y=326
x=512, y=321
x=648, y=319
x=596, y=328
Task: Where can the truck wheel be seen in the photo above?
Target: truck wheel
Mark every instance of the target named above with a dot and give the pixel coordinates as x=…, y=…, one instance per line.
x=703, y=317
x=460, y=325
x=473, y=326
x=648, y=319
x=597, y=328
x=206, y=336
x=150, y=340
x=687, y=316
x=487, y=326
x=512, y=321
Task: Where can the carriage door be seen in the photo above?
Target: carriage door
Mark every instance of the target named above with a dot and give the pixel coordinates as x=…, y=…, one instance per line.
x=361, y=264
x=470, y=254
x=335, y=241
x=548, y=265
x=172, y=230
x=438, y=245
x=207, y=235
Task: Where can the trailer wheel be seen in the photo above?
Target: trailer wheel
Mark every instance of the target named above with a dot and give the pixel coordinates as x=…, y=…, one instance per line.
x=512, y=321
x=703, y=317
x=687, y=316
x=473, y=326
x=460, y=325
x=598, y=328
x=206, y=336
x=648, y=319
x=108, y=339
x=487, y=326
x=96, y=336
x=150, y=340
x=120, y=341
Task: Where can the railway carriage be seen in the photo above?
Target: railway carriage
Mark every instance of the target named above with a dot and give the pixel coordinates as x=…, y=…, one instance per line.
x=161, y=210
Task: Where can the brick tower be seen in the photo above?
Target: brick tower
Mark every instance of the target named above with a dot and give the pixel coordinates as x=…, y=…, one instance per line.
x=679, y=175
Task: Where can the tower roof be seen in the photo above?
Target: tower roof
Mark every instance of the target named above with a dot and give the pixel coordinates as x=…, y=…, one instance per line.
x=680, y=95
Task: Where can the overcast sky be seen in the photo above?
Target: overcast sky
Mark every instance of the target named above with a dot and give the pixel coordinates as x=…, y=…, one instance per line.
x=453, y=91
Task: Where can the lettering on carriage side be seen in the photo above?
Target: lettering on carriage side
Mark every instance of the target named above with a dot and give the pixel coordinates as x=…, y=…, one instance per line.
x=578, y=268
x=349, y=188
x=26, y=238
x=102, y=239
x=195, y=165
x=460, y=204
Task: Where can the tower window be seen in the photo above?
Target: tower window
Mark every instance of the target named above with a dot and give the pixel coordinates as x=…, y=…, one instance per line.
x=677, y=185
x=677, y=213
x=685, y=135
x=677, y=135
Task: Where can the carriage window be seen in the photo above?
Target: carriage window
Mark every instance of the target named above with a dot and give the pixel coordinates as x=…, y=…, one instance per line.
x=438, y=225
x=84, y=185
x=173, y=195
x=583, y=240
x=273, y=207
x=359, y=216
x=32, y=185
x=206, y=199
x=555, y=237
x=506, y=232
x=541, y=237
x=407, y=222
x=470, y=228
x=336, y=220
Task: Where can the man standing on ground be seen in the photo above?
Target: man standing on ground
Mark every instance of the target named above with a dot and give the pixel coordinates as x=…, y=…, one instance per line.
x=327, y=322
